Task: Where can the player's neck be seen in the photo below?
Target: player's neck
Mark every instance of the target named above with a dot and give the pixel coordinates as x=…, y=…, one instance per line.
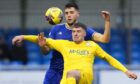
x=79, y=42
x=68, y=26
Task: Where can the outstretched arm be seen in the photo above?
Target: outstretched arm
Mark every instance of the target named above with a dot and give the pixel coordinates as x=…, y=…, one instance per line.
x=112, y=61
x=119, y=66
x=17, y=40
x=104, y=38
x=40, y=39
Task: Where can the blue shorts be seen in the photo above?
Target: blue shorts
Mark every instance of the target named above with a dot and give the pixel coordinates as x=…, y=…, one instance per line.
x=52, y=77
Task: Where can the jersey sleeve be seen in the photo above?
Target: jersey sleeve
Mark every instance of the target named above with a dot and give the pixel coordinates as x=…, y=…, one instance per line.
x=31, y=38
x=53, y=32
x=112, y=61
x=54, y=44
x=89, y=33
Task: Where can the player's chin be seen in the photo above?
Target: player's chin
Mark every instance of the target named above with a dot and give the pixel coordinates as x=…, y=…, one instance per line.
x=75, y=39
x=70, y=22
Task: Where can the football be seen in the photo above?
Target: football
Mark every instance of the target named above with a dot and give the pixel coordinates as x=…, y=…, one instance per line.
x=54, y=15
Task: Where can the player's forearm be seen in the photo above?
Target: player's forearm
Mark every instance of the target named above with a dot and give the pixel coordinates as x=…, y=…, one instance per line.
x=106, y=35
x=116, y=64
x=112, y=61
x=45, y=49
x=31, y=38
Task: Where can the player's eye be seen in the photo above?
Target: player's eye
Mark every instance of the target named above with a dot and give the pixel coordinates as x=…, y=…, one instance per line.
x=78, y=31
x=66, y=13
x=71, y=12
x=73, y=31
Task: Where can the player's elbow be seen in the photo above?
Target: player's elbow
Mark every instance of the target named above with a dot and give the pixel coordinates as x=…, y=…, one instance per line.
x=101, y=38
x=104, y=40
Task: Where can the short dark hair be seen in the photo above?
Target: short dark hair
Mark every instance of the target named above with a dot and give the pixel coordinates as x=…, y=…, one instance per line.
x=72, y=4
x=77, y=25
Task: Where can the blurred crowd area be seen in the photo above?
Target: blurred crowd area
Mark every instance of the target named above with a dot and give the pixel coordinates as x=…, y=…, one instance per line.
x=30, y=53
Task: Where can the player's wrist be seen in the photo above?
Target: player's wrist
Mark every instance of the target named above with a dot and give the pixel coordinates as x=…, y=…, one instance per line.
x=126, y=71
x=23, y=37
x=42, y=46
x=107, y=20
x=45, y=49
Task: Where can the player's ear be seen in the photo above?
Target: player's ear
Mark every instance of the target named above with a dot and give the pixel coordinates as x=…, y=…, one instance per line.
x=84, y=33
x=78, y=15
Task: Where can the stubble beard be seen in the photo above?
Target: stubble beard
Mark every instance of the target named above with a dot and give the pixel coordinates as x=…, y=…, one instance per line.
x=71, y=24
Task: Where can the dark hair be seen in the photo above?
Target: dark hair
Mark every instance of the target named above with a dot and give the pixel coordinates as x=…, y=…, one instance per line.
x=72, y=4
x=77, y=25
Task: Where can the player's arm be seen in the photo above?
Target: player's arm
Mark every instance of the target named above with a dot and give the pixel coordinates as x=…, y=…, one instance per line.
x=55, y=44
x=42, y=43
x=17, y=40
x=105, y=37
x=112, y=61
x=44, y=48
x=49, y=42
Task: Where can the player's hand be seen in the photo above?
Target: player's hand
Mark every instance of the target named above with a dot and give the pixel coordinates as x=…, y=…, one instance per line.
x=131, y=75
x=106, y=15
x=41, y=39
x=17, y=40
x=42, y=43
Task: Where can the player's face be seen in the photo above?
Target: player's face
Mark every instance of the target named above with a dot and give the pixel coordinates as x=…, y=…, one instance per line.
x=71, y=15
x=78, y=34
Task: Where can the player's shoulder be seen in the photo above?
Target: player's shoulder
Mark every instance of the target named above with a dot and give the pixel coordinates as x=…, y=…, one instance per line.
x=59, y=25
x=92, y=43
x=90, y=29
x=61, y=40
x=64, y=42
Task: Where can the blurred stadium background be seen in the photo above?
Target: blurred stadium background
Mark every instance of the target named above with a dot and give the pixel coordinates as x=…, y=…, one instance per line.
x=27, y=65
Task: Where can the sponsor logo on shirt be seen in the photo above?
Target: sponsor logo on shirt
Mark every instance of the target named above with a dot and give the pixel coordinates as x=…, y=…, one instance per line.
x=60, y=33
x=50, y=34
x=88, y=44
x=79, y=52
